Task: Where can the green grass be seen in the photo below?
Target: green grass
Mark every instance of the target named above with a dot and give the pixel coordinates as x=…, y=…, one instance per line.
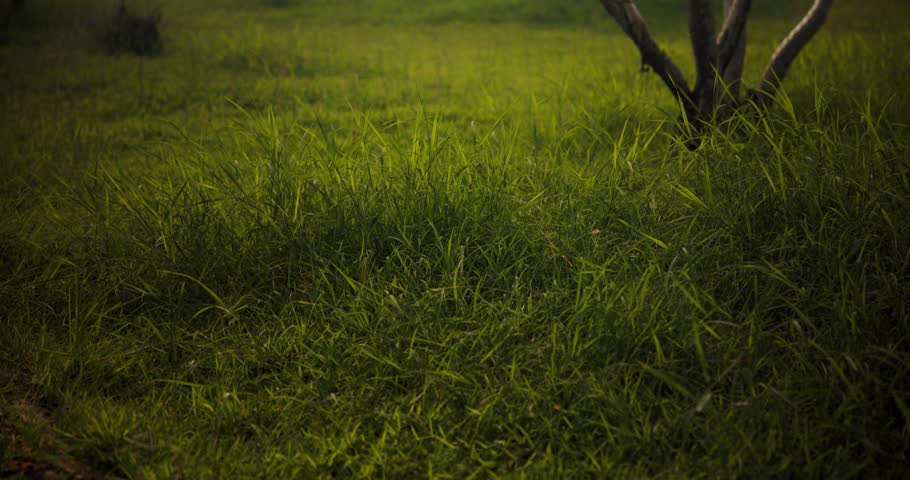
x=325, y=239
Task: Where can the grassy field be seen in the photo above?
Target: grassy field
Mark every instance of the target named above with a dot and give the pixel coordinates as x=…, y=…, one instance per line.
x=320, y=239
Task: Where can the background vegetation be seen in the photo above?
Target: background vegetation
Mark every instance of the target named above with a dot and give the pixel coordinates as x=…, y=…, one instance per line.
x=366, y=239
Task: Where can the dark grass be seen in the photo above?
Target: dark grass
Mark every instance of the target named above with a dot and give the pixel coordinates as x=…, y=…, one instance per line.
x=383, y=259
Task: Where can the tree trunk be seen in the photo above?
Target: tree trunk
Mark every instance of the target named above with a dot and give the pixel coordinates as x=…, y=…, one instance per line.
x=701, y=32
x=719, y=60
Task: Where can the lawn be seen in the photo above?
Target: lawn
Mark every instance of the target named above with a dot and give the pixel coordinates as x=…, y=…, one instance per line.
x=348, y=239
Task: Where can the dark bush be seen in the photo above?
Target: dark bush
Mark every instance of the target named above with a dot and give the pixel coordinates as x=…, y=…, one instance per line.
x=127, y=31
x=281, y=3
x=10, y=12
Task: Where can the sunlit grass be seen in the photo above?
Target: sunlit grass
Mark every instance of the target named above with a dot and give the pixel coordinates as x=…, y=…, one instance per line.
x=448, y=250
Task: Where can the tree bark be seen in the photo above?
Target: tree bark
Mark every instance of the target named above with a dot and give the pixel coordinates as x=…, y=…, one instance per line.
x=790, y=48
x=701, y=32
x=731, y=47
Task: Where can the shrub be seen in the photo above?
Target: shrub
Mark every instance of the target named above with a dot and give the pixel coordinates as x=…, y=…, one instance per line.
x=10, y=15
x=127, y=31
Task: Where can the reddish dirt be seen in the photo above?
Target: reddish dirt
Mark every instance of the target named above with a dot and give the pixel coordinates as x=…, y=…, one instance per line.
x=29, y=446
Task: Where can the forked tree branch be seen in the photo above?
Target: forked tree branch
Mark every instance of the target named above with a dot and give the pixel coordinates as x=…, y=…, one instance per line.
x=718, y=59
x=628, y=17
x=790, y=48
x=701, y=31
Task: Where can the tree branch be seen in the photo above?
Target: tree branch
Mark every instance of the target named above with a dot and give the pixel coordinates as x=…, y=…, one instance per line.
x=732, y=35
x=790, y=48
x=731, y=46
x=701, y=31
x=627, y=16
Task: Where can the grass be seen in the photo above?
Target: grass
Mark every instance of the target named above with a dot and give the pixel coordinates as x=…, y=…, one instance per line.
x=448, y=243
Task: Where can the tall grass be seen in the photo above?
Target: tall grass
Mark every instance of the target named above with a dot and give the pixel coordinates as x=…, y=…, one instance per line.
x=308, y=304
